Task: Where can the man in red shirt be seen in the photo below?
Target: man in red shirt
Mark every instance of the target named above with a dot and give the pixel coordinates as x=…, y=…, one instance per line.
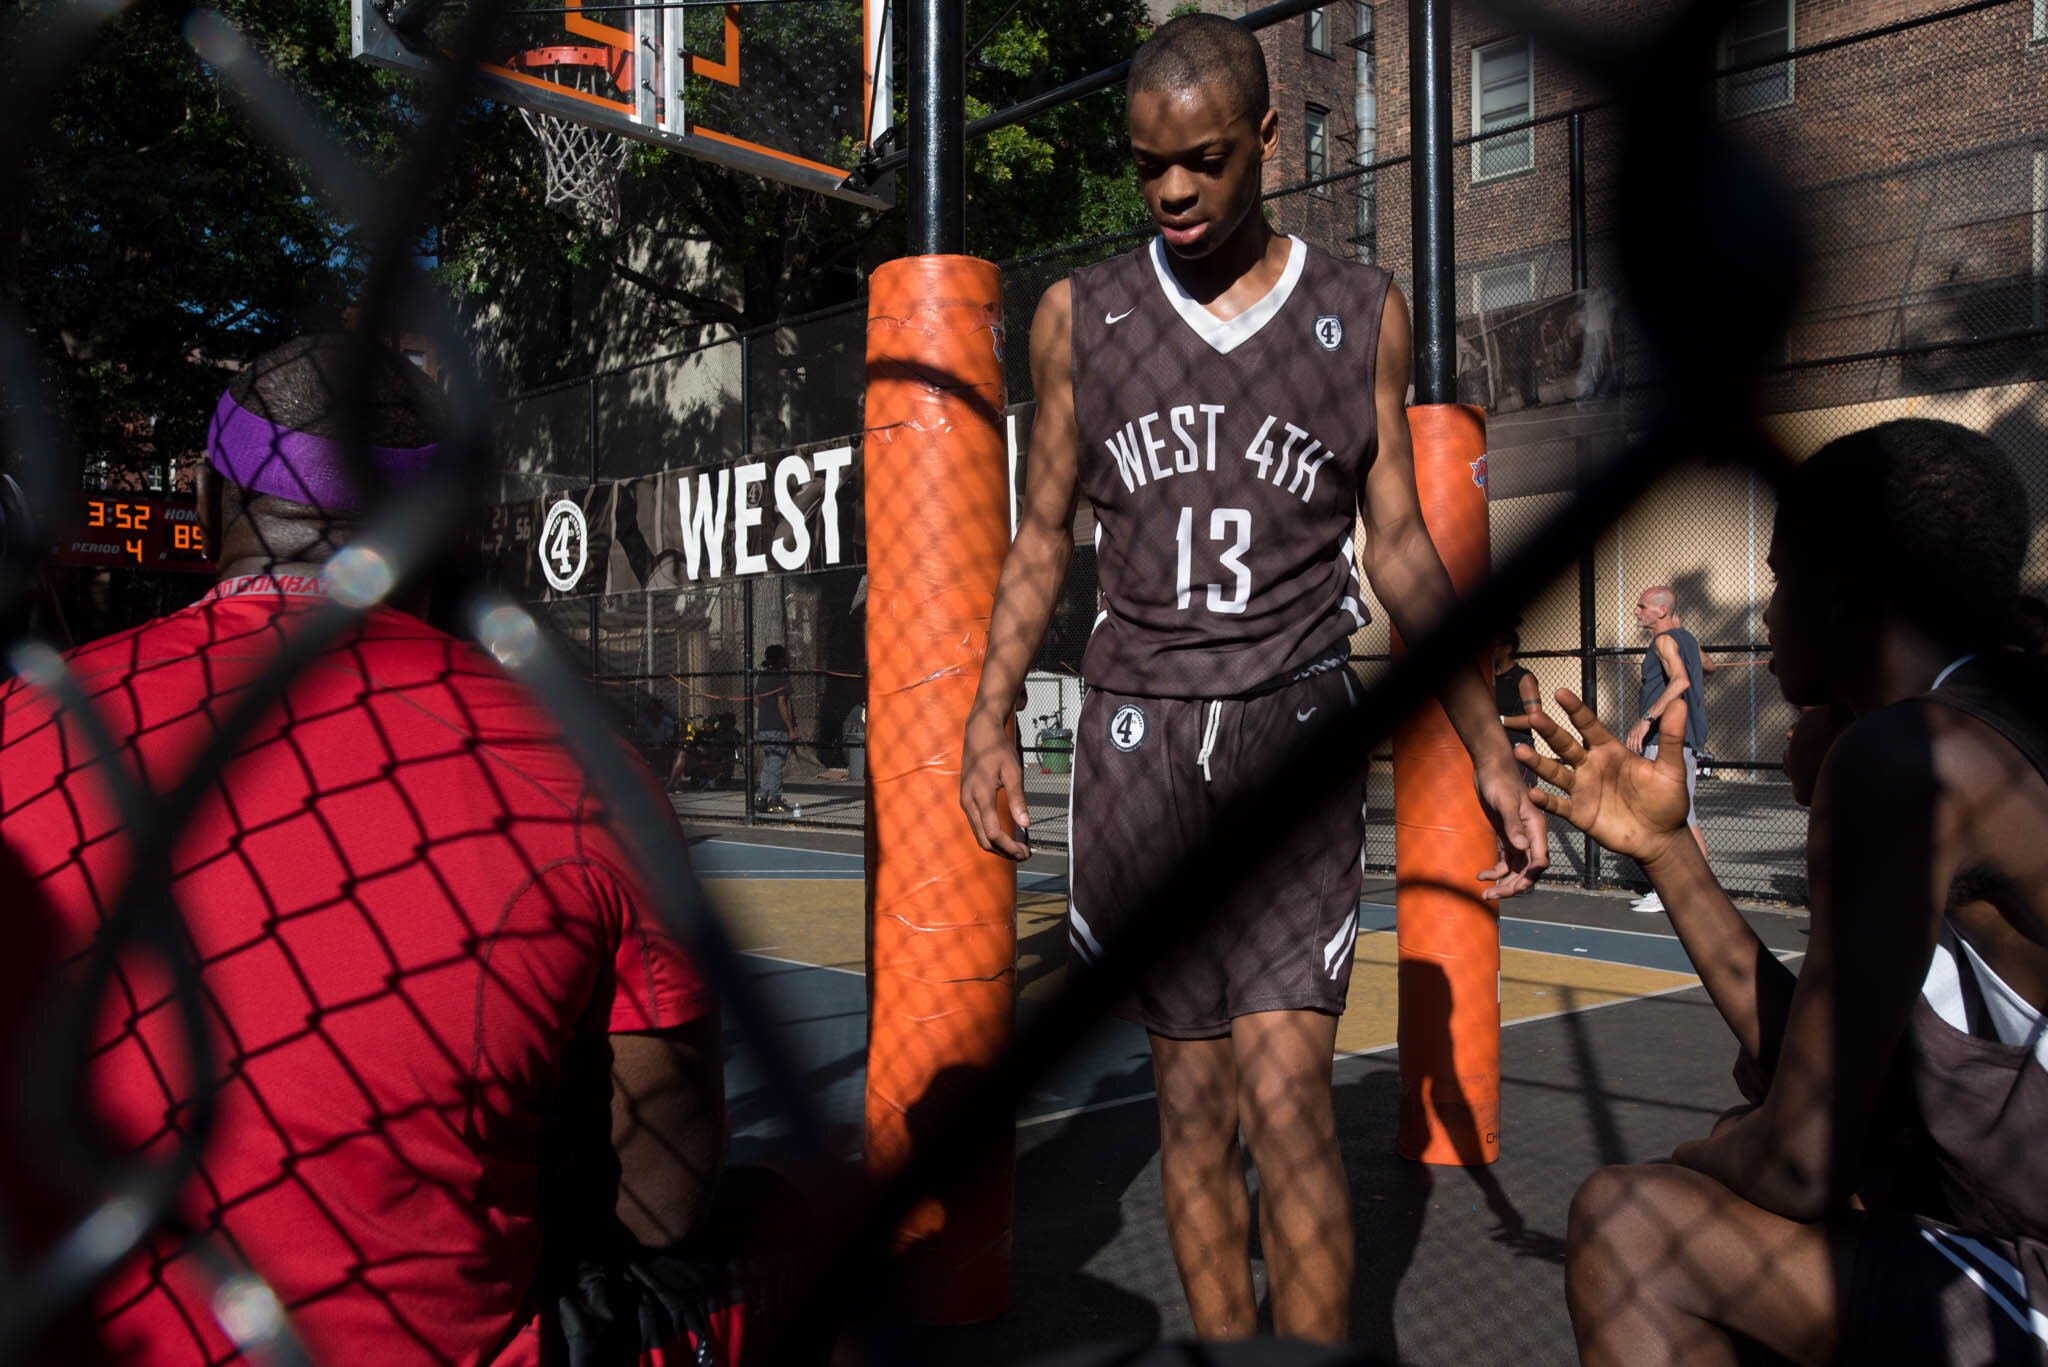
x=438, y=997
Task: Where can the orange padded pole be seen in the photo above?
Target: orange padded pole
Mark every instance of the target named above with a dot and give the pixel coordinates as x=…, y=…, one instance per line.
x=1449, y=939
x=942, y=927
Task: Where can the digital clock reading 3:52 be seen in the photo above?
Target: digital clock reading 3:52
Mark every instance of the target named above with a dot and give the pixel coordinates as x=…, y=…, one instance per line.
x=138, y=531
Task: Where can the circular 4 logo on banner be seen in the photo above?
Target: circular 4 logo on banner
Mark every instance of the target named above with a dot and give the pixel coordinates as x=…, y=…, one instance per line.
x=564, y=545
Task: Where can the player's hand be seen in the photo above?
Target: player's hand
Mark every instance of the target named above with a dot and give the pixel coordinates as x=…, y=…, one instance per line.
x=1517, y=826
x=1633, y=806
x=1749, y=1078
x=989, y=768
x=1638, y=735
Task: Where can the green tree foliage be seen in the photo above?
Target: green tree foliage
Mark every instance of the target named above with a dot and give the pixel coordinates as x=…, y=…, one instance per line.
x=774, y=252
x=153, y=234
x=1066, y=174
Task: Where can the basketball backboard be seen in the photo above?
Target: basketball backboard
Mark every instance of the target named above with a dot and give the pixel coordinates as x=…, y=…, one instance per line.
x=793, y=91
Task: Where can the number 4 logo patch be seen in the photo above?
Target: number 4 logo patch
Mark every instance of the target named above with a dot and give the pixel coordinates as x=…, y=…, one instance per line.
x=1127, y=728
x=1330, y=331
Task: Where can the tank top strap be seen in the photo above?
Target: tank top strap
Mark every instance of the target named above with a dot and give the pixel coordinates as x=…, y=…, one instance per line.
x=1964, y=688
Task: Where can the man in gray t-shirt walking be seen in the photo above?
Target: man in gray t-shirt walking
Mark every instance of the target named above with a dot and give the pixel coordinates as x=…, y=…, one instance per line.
x=1672, y=671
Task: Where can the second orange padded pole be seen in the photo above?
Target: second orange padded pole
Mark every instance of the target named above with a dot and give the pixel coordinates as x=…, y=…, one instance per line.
x=1449, y=938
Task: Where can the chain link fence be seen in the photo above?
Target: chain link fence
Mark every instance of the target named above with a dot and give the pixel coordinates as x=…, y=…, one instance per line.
x=1924, y=295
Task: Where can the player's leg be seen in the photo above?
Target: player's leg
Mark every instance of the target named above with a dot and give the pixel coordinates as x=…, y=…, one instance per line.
x=1662, y=1262
x=1133, y=757
x=1283, y=1087
x=1201, y=1174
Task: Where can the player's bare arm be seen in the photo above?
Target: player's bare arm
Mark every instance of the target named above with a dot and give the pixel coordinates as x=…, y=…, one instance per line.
x=1637, y=807
x=1882, y=853
x=1532, y=702
x=1029, y=587
x=669, y=1127
x=1676, y=682
x=1410, y=580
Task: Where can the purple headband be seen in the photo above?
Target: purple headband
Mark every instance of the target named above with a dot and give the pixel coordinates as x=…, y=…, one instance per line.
x=261, y=456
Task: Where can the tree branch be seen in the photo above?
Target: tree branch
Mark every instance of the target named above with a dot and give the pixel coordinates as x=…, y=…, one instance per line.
x=702, y=307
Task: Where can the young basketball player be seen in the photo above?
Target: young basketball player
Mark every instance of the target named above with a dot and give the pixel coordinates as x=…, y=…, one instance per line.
x=1230, y=400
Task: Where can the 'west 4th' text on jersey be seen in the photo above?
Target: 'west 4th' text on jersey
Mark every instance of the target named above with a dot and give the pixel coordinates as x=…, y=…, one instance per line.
x=1224, y=460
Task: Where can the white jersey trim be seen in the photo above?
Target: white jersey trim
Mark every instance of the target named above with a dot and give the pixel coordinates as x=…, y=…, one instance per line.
x=2012, y=1018
x=1225, y=335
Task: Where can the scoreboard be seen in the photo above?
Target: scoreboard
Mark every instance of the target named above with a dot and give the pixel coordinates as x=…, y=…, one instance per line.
x=133, y=531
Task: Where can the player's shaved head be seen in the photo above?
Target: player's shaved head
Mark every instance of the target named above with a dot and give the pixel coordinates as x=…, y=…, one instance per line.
x=1660, y=598
x=1204, y=52
x=299, y=386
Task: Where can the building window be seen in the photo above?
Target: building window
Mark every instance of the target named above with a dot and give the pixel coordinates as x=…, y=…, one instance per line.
x=1503, y=92
x=1502, y=287
x=1315, y=31
x=1758, y=29
x=1315, y=141
x=2040, y=20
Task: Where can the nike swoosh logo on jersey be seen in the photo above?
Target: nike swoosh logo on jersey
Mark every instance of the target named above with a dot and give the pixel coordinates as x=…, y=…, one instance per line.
x=1114, y=318
x=1304, y=716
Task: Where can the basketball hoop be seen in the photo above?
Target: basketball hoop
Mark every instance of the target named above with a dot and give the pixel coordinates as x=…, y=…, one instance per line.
x=582, y=163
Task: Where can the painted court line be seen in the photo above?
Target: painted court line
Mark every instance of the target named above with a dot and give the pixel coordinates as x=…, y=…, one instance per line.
x=799, y=963
x=1027, y=1121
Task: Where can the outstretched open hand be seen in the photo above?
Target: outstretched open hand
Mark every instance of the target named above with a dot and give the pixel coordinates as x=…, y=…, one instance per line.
x=1633, y=806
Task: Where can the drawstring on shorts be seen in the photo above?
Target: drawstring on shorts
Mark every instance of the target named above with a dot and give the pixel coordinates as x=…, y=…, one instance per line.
x=1209, y=739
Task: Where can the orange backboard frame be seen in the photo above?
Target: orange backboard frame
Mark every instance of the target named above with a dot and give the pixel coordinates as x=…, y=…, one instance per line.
x=655, y=90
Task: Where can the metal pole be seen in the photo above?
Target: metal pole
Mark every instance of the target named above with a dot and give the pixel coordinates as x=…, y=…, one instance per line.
x=1588, y=622
x=747, y=686
x=938, y=121
x=1429, y=85
x=1578, y=182
x=1589, y=665
x=746, y=395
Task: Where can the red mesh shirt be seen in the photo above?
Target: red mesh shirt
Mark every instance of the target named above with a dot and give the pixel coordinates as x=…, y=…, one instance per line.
x=405, y=903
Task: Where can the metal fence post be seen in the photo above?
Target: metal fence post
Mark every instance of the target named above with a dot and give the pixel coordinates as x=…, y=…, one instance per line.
x=746, y=397
x=747, y=687
x=1589, y=665
x=1578, y=192
x=1431, y=228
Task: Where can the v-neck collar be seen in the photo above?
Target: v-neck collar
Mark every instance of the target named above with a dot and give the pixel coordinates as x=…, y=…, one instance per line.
x=1228, y=334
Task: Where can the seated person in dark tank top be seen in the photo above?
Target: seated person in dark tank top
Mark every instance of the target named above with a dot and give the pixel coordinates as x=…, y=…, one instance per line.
x=1232, y=402
x=1887, y=1199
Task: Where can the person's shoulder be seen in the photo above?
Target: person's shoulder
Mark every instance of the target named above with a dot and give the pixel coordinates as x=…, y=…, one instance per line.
x=170, y=643
x=1133, y=259
x=1350, y=267
x=1884, y=759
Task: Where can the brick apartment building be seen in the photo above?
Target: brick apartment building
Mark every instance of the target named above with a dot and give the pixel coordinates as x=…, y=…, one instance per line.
x=1917, y=160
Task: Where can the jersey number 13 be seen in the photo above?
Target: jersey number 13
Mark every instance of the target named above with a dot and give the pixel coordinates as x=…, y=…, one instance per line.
x=1226, y=525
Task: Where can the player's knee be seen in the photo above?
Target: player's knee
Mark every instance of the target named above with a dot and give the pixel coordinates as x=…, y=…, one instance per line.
x=1287, y=1119
x=1614, y=1222
x=1595, y=1237
x=1196, y=1119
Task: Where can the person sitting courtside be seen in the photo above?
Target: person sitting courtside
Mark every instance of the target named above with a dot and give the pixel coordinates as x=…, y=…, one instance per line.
x=443, y=1010
x=1799, y=1224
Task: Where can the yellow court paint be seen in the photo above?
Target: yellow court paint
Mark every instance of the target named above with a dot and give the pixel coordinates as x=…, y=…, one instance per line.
x=806, y=920
x=819, y=921
x=1531, y=984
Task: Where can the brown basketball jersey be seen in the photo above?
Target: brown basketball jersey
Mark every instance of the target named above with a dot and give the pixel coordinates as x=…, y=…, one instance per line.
x=1224, y=460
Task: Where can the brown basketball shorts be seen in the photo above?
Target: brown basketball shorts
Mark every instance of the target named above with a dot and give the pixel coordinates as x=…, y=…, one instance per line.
x=1151, y=776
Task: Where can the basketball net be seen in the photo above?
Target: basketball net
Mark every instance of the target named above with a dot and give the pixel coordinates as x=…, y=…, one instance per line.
x=583, y=167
